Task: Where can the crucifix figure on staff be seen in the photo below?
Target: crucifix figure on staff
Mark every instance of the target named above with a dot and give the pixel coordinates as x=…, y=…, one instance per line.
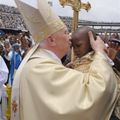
x=76, y=5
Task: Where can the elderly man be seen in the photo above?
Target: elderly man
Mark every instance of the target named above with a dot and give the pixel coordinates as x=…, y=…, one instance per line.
x=44, y=89
x=3, y=79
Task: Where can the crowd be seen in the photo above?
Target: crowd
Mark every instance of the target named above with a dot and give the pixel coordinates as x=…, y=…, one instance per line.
x=11, y=18
x=11, y=21
x=8, y=9
x=13, y=49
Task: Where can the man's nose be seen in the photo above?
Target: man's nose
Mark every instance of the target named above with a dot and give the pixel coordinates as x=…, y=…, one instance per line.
x=70, y=36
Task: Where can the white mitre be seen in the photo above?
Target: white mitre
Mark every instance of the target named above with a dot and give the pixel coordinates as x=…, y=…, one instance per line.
x=39, y=18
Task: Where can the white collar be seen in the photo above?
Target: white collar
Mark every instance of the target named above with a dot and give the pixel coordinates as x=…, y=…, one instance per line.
x=53, y=55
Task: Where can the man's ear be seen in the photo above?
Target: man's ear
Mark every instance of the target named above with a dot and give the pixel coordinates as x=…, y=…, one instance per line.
x=51, y=41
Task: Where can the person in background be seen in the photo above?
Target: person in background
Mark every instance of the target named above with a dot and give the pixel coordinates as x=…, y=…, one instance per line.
x=6, y=57
x=51, y=91
x=15, y=60
x=7, y=50
x=3, y=79
x=114, y=52
x=25, y=45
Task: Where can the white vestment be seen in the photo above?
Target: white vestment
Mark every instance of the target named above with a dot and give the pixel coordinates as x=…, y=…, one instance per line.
x=3, y=79
x=49, y=91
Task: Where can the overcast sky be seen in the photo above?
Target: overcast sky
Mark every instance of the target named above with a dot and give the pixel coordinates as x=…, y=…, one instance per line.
x=102, y=10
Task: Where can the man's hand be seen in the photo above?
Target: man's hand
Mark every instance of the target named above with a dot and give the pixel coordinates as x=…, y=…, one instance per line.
x=98, y=44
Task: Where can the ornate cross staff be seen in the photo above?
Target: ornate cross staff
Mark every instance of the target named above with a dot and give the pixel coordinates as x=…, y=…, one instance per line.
x=76, y=5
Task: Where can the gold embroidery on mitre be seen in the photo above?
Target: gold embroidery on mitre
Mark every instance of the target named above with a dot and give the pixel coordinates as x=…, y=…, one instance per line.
x=48, y=29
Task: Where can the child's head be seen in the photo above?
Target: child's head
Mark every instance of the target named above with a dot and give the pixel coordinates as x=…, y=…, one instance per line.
x=80, y=41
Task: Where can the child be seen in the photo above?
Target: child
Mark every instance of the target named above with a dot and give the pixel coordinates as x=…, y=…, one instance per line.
x=84, y=56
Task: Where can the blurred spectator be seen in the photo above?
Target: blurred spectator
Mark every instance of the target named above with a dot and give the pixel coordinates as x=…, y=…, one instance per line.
x=115, y=35
x=25, y=45
x=1, y=49
x=7, y=49
x=15, y=60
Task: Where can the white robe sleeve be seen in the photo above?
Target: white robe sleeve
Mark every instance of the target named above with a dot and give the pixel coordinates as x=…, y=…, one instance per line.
x=3, y=72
